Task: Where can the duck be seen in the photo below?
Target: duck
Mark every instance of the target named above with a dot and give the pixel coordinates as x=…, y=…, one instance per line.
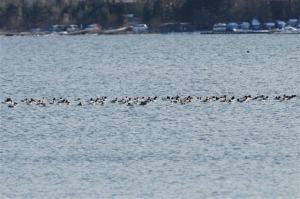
x=79, y=104
x=213, y=98
x=241, y=100
x=114, y=101
x=43, y=104
x=31, y=101
x=52, y=101
x=136, y=99
x=60, y=100
x=181, y=101
x=130, y=104
x=143, y=103
x=223, y=98
x=166, y=98
x=175, y=100
x=13, y=104
x=129, y=100
x=24, y=100
x=149, y=99
x=244, y=99
x=206, y=99
x=100, y=103
x=8, y=101
x=231, y=100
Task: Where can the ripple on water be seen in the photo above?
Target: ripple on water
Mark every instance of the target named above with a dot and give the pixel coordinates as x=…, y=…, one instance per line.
x=162, y=150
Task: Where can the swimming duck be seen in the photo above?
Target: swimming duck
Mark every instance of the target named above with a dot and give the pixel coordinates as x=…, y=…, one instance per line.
x=60, y=100
x=130, y=104
x=91, y=101
x=114, y=101
x=223, y=98
x=52, y=102
x=13, y=104
x=143, y=103
x=231, y=100
x=181, y=101
x=206, y=99
x=24, y=100
x=8, y=101
x=31, y=101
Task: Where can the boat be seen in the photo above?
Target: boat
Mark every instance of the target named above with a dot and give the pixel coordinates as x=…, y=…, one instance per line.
x=280, y=24
x=232, y=26
x=113, y=30
x=244, y=26
x=292, y=22
x=92, y=28
x=290, y=30
x=255, y=24
x=220, y=27
x=269, y=26
x=72, y=28
x=140, y=28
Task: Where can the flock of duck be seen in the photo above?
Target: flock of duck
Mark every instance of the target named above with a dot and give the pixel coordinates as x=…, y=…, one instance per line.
x=43, y=102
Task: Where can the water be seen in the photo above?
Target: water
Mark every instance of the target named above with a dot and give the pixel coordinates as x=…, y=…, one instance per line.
x=161, y=150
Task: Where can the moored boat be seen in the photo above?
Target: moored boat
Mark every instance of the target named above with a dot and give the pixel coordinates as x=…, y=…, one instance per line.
x=290, y=30
x=220, y=27
x=255, y=24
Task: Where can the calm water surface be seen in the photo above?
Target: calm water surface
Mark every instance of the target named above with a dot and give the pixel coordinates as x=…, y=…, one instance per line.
x=161, y=150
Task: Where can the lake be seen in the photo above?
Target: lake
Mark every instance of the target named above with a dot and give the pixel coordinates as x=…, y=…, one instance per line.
x=162, y=149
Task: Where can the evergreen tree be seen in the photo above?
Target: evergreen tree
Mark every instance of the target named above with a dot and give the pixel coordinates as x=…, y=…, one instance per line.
x=159, y=9
x=39, y=13
x=147, y=12
x=13, y=14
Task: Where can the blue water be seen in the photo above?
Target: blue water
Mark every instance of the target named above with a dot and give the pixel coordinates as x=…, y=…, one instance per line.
x=163, y=149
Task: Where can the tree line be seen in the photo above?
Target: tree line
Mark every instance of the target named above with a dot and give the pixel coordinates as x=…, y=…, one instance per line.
x=202, y=14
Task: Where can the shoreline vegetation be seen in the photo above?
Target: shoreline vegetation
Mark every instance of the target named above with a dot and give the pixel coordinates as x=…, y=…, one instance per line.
x=19, y=17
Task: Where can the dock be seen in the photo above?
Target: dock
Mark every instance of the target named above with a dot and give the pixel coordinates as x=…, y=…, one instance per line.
x=79, y=32
x=237, y=32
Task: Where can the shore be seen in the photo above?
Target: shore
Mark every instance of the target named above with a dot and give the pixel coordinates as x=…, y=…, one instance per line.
x=125, y=31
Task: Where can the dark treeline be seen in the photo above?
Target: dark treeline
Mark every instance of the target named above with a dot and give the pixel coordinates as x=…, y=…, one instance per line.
x=201, y=13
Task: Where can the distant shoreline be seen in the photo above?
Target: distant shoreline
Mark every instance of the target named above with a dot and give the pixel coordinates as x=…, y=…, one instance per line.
x=106, y=32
